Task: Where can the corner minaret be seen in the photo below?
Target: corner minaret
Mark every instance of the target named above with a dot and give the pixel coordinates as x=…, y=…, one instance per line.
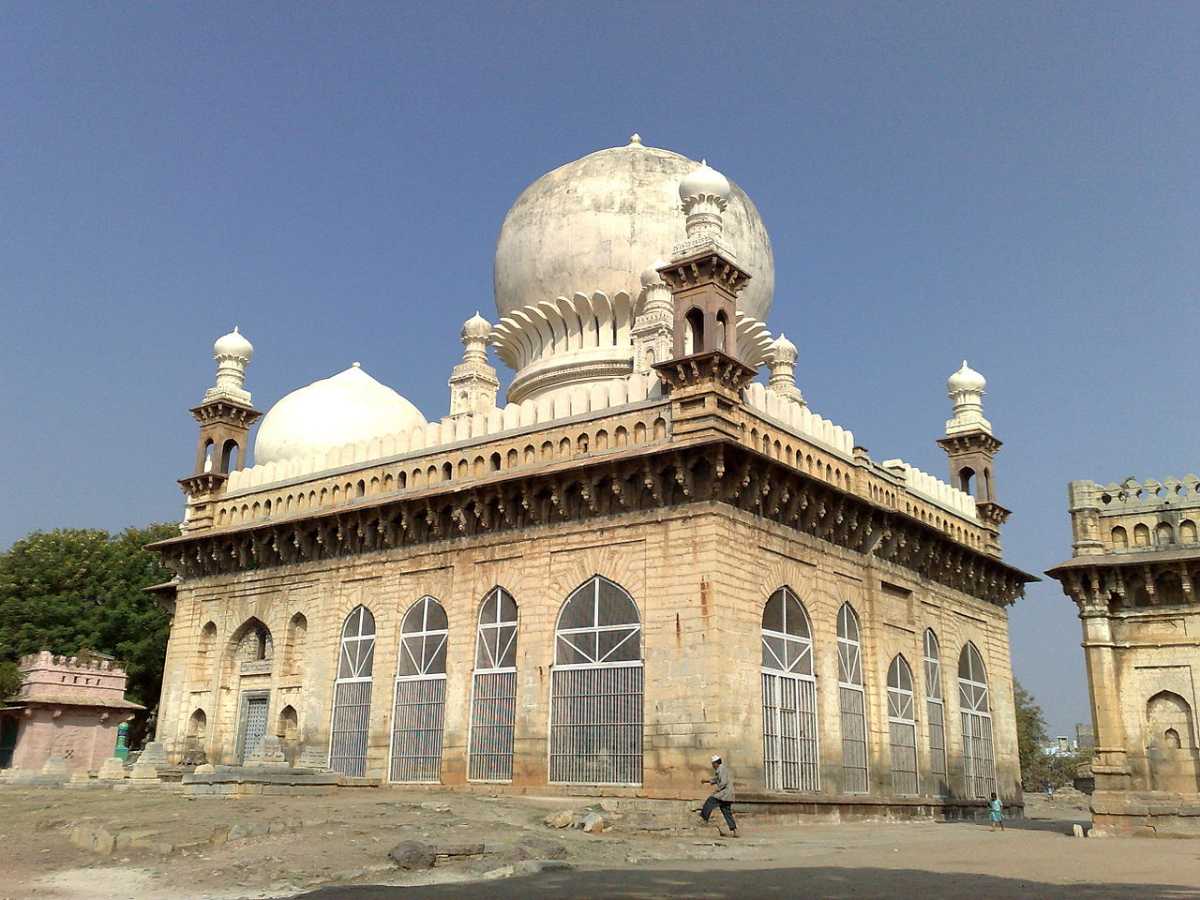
x=781, y=358
x=473, y=382
x=704, y=377
x=652, y=325
x=972, y=449
x=225, y=417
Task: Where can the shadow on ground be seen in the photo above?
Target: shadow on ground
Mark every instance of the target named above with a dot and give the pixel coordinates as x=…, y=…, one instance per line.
x=821, y=881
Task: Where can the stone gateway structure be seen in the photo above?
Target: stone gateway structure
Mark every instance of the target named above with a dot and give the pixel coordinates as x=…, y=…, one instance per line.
x=1133, y=573
x=646, y=556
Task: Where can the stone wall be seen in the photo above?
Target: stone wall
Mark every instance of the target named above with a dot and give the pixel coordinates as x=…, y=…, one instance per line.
x=700, y=575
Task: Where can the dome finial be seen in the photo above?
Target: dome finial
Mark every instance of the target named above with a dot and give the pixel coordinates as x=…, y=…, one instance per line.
x=635, y=140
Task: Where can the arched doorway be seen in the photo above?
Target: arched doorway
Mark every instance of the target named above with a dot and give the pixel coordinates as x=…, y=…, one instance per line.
x=352, y=694
x=791, y=750
x=902, y=727
x=597, y=688
x=979, y=767
x=420, y=708
x=494, y=689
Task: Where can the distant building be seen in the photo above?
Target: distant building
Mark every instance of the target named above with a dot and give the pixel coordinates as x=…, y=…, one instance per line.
x=1085, y=737
x=68, y=707
x=644, y=557
x=1133, y=575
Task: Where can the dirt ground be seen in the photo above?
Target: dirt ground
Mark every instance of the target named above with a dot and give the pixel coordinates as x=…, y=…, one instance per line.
x=71, y=844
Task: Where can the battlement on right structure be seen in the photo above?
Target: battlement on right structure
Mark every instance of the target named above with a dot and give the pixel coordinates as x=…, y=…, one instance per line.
x=1134, y=516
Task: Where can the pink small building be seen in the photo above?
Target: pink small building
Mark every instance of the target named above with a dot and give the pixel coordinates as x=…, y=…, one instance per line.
x=68, y=706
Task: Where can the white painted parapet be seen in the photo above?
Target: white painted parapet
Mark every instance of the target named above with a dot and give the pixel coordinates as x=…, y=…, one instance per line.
x=925, y=485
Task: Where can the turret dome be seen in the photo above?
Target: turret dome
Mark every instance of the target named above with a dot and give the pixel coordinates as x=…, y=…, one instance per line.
x=476, y=327
x=234, y=345
x=965, y=379
x=704, y=181
x=347, y=408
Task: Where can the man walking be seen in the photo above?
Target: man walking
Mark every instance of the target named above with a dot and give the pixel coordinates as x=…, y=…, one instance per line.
x=721, y=796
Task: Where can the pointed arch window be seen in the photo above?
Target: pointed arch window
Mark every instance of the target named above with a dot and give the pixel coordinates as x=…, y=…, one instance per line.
x=494, y=689
x=979, y=766
x=852, y=701
x=420, y=706
x=791, y=750
x=352, y=694
x=935, y=715
x=597, y=688
x=902, y=726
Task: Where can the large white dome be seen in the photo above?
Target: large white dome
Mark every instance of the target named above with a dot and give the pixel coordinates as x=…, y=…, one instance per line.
x=596, y=223
x=346, y=408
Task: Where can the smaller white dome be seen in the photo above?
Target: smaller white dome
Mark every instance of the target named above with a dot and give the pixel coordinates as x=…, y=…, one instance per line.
x=476, y=327
x=650, y=273
x=233, y=344
x=348, y=408
x=704, y=181
x=966, y=379
x=782, y=348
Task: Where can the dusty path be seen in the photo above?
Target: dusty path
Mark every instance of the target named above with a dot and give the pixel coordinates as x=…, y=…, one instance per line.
x=164, y=845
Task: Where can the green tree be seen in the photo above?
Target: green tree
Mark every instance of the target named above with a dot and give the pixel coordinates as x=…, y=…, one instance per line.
x=1031, y=735
x=73, y=589
x=10, y=679
x=1038, y=768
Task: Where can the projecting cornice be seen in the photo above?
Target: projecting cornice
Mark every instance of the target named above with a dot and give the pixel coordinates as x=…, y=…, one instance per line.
x=635, y=480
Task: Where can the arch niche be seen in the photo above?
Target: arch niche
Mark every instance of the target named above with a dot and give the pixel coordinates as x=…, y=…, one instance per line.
x=1171, y=744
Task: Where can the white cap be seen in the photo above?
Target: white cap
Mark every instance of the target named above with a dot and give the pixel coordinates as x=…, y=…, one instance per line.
x=716, y=759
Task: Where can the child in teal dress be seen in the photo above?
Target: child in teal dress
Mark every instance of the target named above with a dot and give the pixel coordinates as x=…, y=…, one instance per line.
x=996, y=812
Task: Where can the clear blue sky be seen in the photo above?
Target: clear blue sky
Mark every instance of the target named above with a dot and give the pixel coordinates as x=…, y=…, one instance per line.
x=1012, y=183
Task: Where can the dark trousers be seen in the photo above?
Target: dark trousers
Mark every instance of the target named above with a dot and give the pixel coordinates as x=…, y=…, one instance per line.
x=726, y=810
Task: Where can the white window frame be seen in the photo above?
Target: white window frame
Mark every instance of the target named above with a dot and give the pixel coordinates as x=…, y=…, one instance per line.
x=806, y=656
x=422, y=675
x=852, y=648
x=602, y=663
x=359, y=638
x=932, y=670
x=498, y=593
x=903, y=697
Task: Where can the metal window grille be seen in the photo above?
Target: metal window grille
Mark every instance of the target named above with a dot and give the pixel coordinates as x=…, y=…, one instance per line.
x=417, y=735
x=597, y=688
x=902, y=727
x=493, y=712
x=494, y=689
x=352, y=695
x=979, y=765
x=978, y=762
x=351, y=717
x=596, y=725
x=852, y=703
x=791, y=753
x=420, y=707
x=254, y=725
x=935, y=715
